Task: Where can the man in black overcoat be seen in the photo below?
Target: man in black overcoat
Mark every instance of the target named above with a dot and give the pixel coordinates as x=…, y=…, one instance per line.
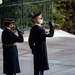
x=10, y=52
x=37, y=43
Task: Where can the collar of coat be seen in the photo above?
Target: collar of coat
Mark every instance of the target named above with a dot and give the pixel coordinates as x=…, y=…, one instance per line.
x=38, y=24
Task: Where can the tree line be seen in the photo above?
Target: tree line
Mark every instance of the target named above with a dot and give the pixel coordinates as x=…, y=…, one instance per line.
x=62, y=12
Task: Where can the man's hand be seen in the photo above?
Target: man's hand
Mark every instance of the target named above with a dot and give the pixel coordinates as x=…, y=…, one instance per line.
x=17, y=28
x=51, y=25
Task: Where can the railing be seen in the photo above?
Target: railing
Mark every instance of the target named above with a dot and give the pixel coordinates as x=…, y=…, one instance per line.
x=22, y=12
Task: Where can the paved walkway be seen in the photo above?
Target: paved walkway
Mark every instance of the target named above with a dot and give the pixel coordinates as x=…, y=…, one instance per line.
x=61, y=55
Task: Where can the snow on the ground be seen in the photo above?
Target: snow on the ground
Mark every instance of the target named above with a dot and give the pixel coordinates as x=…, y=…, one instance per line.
x=61, y=33
x=58, y=33
x=0, y=33
x=26, y=38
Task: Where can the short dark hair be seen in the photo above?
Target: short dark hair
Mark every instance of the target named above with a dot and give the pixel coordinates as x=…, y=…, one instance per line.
x=6, y=24
x=9, y=21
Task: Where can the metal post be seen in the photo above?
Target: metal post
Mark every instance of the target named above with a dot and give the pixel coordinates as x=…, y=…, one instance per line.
x=73, y=20
x=0, y=16
x=51, y=10
x=22, y=13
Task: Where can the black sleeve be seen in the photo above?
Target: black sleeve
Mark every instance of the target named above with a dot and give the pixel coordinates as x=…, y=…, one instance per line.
x=31, y=42
x=16, y=38
x=50, y=33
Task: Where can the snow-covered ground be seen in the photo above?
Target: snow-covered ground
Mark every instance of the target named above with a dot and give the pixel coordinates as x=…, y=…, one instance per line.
x=61, y=33
x=0, y=33
x=58, y=33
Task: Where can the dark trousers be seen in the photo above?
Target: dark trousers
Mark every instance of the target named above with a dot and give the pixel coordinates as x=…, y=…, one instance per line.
x=11, y=74
x=38, y=72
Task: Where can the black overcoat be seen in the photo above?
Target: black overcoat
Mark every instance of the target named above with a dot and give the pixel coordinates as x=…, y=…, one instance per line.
x=10, y=53
x=37, y=43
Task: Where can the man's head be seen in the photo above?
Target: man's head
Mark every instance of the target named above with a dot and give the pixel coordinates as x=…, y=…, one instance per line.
x=37, y=18
x=9, y=22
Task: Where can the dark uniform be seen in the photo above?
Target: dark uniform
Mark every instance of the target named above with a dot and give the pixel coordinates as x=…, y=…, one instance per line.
x=10, y=53
x=37, y=43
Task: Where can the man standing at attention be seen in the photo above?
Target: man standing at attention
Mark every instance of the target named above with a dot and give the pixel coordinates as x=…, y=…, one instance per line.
x=37, y=43
x=10, y=52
